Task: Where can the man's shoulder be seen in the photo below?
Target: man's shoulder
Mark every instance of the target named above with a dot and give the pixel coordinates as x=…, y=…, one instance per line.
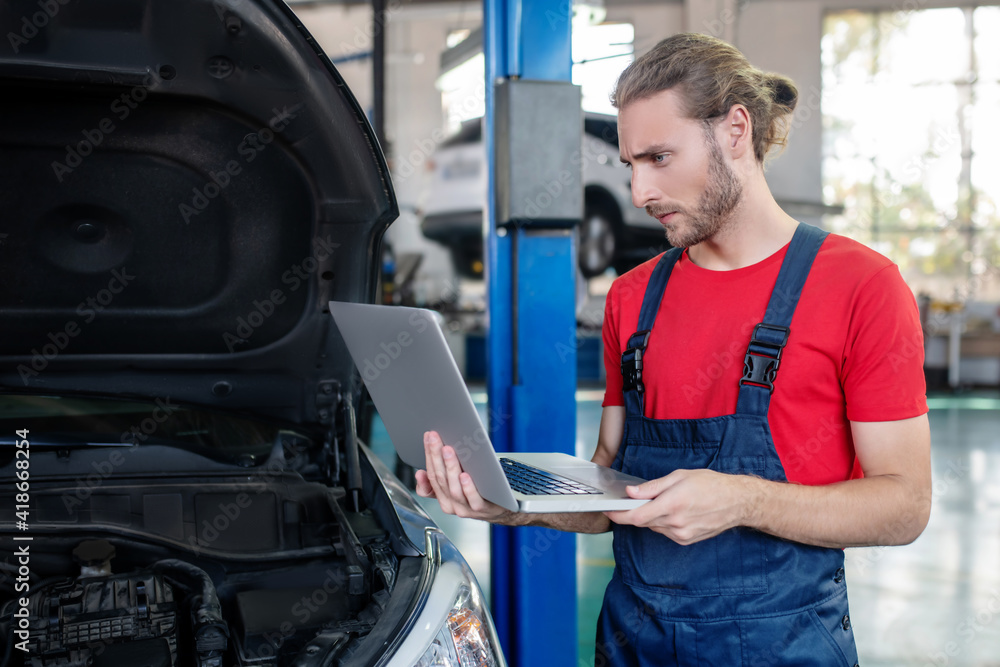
x=632, y=283
x=847, y=254
x=848, y=260
x=850, y=273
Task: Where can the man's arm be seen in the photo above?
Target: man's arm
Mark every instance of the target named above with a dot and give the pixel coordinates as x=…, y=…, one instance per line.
x=889, y=506
x=457, y=494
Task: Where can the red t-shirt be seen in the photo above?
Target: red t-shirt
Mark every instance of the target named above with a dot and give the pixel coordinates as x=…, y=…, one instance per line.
x=855, y=351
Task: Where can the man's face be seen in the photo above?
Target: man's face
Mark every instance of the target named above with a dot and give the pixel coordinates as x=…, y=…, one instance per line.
x=679, y=174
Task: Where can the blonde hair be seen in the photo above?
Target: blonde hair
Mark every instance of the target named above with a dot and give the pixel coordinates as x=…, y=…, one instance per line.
x=712, y=76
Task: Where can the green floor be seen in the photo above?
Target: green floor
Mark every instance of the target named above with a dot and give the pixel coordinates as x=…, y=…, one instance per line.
x=935, y=602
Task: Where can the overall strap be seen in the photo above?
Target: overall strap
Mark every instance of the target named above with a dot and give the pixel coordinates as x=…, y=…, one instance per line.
x=760, y=366
x=632, y=387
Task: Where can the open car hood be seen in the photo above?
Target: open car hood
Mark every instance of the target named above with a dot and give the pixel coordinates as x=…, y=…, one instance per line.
x=185, y=185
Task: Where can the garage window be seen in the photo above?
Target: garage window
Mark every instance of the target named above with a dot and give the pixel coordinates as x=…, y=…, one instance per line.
x=910, y=137
x=600, y=52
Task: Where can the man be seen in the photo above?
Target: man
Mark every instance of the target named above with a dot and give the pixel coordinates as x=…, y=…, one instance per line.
x=778, y=410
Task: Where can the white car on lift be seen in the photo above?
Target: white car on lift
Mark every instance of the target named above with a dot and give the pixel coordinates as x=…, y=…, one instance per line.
x=612, y=233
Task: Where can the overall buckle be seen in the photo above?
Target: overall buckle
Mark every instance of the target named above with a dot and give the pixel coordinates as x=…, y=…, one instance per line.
x=760, y=365
x=632, y=362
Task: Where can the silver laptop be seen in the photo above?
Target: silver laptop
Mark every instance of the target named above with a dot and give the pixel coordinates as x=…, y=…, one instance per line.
x=416, y=385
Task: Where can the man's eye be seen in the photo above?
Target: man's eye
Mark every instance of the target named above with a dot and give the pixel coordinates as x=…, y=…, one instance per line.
x=659, y=159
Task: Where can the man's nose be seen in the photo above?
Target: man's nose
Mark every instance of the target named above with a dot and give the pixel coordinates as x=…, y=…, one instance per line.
x=643, y=189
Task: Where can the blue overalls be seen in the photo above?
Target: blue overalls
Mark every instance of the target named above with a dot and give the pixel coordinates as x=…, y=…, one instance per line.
x=742, y=598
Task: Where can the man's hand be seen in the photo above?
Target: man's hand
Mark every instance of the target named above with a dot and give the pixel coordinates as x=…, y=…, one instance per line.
x=453, y=489
x=888, y=506
x=457, y=493
x=689, y=506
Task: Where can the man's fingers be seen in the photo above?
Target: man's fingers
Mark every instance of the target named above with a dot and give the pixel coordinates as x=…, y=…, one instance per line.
x=432, y=451
x=435, y=463
x=652, y=488
x=622, y=517
x=435, y=471
x=476, y=501
x=444, y=480
x=452, y=471
x=424, y=488
x=644, y=515
x=641, y=516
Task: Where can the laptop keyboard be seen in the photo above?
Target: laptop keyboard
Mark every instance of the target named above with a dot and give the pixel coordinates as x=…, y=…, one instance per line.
x=534, y=482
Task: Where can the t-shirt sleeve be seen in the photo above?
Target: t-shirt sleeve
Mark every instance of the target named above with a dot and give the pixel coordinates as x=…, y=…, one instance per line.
x=883, y=371
x=612, y=354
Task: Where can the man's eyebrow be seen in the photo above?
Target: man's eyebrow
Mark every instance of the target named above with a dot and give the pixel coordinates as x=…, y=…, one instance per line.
x=652, y=150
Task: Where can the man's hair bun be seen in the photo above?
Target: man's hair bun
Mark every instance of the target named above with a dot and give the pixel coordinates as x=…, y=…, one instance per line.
x=784, y=92
x=712, y=76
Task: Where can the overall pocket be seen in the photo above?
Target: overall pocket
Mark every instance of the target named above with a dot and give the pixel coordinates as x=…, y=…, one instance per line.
x=817, y=637
x=731, y=563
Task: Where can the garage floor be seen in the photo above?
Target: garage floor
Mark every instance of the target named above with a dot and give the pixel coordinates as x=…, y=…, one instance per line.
x=933, y=603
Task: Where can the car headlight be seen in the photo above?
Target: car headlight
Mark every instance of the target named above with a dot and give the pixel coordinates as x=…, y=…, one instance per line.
x=464, y=639
x=450, y=625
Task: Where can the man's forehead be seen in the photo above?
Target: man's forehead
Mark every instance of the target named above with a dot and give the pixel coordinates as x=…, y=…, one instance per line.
x=653, y=120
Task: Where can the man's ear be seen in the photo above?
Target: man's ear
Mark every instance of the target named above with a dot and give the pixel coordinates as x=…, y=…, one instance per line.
x=737, y=132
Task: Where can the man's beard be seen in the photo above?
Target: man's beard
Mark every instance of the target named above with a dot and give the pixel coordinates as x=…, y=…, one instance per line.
x=715, y=207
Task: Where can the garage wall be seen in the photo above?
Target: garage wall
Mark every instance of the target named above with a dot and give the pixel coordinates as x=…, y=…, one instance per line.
x=414, y=116
x=415, y=38
x=652, y=22
x=344, y=30
x=784, y=36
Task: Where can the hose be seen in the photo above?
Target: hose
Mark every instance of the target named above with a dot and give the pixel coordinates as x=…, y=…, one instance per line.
x=211, y=633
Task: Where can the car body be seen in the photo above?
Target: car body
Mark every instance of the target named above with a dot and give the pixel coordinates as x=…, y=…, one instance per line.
x=612, y=232
x=186, y=184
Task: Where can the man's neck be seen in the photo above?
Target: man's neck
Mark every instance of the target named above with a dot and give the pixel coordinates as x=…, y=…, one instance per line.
x=759, y=229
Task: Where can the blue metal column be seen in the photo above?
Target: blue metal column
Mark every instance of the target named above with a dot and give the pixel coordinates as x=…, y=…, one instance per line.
x=531, y=359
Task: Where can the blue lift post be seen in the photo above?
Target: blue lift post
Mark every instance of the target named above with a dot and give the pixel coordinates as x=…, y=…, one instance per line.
x=531, y=347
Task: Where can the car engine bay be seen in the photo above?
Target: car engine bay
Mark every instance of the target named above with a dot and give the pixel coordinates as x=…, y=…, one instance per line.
x=139, y=562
